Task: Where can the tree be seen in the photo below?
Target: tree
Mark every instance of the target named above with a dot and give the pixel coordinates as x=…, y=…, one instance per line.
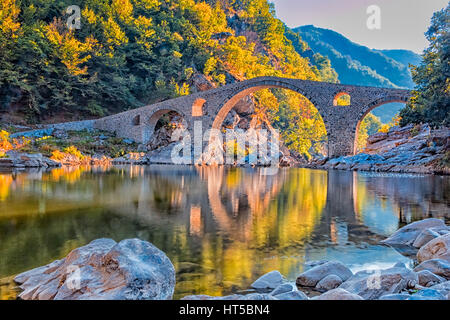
x=431, y=98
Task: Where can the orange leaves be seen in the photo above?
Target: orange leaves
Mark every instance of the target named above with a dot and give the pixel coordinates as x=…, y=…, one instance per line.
x=9, y=12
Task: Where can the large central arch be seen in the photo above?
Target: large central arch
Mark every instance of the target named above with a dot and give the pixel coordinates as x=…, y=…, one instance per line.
x=254, y=85
x=232, y=98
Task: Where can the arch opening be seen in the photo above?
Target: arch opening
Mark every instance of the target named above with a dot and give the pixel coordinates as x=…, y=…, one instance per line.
x=342, y=99
x=302, y=130
x=197, y=107
x=162, y=126
x=379, y=118
x=136, y=120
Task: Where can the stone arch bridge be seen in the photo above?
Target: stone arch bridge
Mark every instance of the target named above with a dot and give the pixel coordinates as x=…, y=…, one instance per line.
x=211, y=107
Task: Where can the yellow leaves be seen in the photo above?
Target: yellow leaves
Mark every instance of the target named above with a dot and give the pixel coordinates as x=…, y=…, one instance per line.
x=72, y=52
x=57, y=155
x=5, y=145
x=114, y=35
x=210, y=65
x=74, y=151
x=123, y=8
x=89, y=15
x=9, y=13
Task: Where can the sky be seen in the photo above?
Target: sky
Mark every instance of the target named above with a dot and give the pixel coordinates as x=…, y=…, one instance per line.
x=402, y=22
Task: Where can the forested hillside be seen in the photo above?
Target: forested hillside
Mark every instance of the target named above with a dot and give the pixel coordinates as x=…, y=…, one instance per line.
x=359, y=65
x=129, y=53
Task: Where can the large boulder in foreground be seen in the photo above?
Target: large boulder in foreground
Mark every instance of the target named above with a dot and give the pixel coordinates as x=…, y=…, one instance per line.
x=313, y=276
x=407, y=235
x=438, y=248
x=103, y=270
x=375, y=284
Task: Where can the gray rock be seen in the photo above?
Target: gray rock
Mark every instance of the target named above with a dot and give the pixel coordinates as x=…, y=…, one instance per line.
x=270, y=280
x=283, y=288
x=373, y=285
x=443, y=288
x=437, y=266
x=395, y=296
x=429, y=234
x=311, y=277
x=338, y=294
x=129, y=270
x=257, y=296
x=438, y=248
x=428, y=279
x=408, y=234
x=292, y=295
x=331, y=281
x=427, y=294
x=206, y=297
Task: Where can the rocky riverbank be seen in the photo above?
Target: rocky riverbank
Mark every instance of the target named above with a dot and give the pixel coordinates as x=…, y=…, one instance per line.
x=411, y=149
x=135, y=269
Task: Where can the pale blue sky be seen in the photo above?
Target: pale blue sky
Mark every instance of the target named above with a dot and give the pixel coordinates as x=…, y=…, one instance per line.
x=403, y=22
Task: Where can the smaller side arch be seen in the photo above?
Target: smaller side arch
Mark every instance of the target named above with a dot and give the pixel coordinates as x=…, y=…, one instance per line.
x=197, y=107
x=340, y=95
x=152, y=117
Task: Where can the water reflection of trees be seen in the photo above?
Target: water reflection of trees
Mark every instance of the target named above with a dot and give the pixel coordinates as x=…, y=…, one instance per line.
x=220, y=226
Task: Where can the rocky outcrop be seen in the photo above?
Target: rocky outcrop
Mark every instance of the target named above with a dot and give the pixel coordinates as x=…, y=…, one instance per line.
x=407, y=235
x=411, y=149
x=26, y=160
x=129, y=270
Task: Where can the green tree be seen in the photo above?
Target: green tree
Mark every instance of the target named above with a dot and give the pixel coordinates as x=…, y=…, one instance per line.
x=431, y=98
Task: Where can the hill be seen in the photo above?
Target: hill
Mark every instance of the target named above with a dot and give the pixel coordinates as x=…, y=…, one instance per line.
x=360, y=65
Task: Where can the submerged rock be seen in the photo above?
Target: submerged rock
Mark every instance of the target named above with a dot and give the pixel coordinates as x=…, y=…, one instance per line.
x=427, y=294
x=395, y=296
x=443, y=288
x=374, y=284
x=438, y=248
x=270, y=280
x=129, y=270
x=311, y=277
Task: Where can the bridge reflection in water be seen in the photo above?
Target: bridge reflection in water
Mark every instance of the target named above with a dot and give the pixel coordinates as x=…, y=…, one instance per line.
x=221, y=227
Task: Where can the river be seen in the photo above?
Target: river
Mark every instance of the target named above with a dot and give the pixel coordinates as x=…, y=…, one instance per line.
x=221, y=227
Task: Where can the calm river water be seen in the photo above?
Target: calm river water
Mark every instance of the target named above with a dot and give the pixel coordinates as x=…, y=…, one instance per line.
x=221, y=227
